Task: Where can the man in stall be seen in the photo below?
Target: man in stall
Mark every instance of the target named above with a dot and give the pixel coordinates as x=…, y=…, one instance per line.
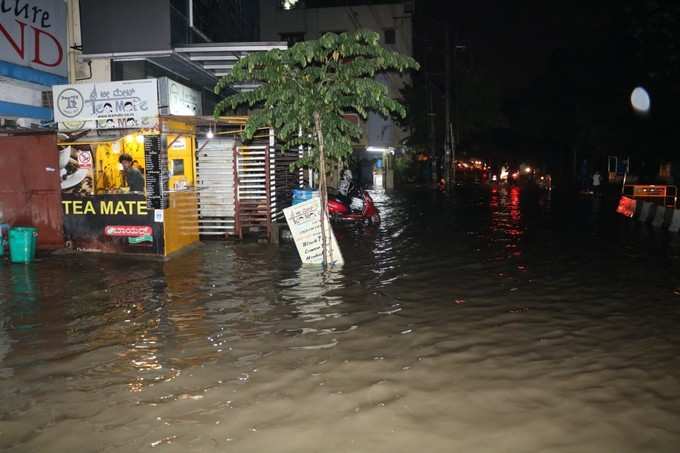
x=134, y=177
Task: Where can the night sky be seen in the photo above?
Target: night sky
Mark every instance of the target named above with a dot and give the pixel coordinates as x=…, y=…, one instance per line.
x=516, y=39
x=561, y=74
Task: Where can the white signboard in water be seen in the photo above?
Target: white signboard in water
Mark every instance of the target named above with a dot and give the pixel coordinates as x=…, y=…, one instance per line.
x=304, y=221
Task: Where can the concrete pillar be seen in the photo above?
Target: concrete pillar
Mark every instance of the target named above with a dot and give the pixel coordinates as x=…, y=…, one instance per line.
x=101, y=70
x=388, y=166
x=275, y=237
x=646, y=212
x=659, y=217
x=675, y=221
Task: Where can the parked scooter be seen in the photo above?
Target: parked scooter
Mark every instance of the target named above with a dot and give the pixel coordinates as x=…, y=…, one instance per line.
x=360, y=208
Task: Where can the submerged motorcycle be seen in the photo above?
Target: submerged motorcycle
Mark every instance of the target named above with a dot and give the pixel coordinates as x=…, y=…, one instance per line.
x=358, y=207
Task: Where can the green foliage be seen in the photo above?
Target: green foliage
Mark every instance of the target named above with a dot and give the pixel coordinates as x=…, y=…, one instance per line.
x=330, y=76
x=406, y=167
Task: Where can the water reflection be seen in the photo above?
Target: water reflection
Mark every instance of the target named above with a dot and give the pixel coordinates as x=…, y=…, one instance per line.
x=23, y=296
x=506, y=218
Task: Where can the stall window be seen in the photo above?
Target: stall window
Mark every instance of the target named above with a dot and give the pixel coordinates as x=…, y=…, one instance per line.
x=178, y=167
x=112, y=175
x=337, y=32
x=390, y=37
x=292, y=38
x=180, y=161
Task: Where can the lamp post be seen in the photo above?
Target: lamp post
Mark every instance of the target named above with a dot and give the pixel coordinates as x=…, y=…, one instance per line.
x=451, y=137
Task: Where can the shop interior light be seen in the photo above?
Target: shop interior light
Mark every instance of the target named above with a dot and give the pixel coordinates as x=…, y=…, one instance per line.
x=140, y=138
x=210, y=134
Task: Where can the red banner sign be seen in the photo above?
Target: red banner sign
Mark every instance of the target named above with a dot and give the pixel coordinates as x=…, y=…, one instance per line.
x=128, y=230
x=626, y=206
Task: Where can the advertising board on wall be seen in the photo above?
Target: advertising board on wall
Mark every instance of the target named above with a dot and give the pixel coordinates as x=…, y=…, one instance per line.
x=111, y=224
x=177, y=99
x=33, y=34
x=129, y=104
x=76, y=169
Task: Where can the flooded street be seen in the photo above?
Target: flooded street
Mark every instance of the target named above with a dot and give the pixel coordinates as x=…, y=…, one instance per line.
x=489, y=322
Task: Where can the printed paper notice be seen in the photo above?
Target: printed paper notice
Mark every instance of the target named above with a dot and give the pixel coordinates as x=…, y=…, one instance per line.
x=304, y=221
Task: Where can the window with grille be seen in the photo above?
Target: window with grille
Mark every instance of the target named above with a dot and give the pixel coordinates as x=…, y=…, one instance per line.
x=292, y=38
x=390, y=37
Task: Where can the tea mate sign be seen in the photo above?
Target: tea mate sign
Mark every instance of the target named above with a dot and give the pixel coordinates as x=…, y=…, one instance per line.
x=130, y=104
x=304, y=221
x=114, y=223
x=33, y=34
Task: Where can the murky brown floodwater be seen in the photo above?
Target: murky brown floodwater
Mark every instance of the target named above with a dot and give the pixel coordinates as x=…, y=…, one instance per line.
x=495, y=323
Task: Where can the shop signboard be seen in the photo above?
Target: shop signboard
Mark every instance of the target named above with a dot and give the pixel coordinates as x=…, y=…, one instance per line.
x=157, y=174
x=304, y=221
x=111, y=223
x=129, y=104
x=33, y=34
x=177, y=99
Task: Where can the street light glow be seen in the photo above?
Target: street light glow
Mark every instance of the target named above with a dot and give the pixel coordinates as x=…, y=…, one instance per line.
x=640, y=100
x=380, y=149
x=289, y=4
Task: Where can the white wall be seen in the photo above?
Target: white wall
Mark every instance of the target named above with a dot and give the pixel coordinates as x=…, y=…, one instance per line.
x=101, y=70
x=21, y=93
x=315, y=21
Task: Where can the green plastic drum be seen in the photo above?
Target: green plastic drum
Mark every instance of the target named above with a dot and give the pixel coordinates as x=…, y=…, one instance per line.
x=22, y=242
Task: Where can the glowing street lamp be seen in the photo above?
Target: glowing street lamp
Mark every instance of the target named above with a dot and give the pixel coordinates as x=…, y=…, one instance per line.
x=288, y=4
x=640, y=100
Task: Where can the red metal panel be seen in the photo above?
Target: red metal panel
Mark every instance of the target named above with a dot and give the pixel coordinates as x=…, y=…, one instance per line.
x=30, y=192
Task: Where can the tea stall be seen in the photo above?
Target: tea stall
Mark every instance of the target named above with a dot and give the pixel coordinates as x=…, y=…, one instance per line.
x=127, y=172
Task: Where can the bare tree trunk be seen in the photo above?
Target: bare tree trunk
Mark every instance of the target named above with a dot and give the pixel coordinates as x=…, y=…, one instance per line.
x=323, y=190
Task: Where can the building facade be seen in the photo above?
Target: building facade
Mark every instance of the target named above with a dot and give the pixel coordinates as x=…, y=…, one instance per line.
x=33, y=58
x=124, y=50
x=294, y=21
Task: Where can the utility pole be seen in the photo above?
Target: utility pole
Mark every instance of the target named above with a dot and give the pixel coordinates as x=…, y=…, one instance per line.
x=448, y=160
x=433, y=139
x=456, y=128
x=453, y=130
